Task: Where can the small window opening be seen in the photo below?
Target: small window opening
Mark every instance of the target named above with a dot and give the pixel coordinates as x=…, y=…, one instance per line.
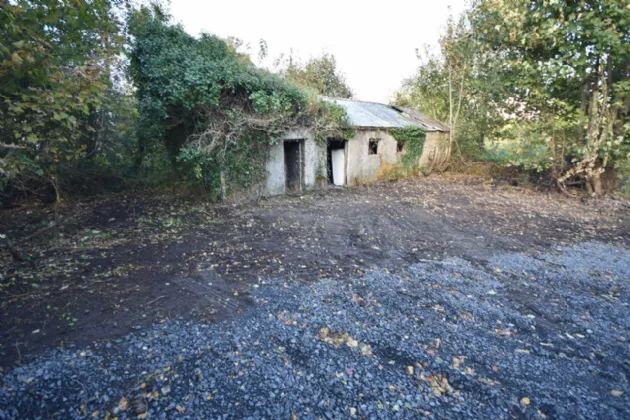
x=373, y=147
x=400, y=147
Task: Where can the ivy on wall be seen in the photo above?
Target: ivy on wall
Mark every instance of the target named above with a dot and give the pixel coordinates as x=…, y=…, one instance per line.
x=413, y=139
x=216, y=115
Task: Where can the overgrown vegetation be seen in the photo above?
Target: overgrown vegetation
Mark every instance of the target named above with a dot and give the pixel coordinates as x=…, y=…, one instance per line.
x=98, y=96
x=412, y=139
x=216, y=114
x=80, y=118
x=319, y=74
x=56, y=60
x=543, y=85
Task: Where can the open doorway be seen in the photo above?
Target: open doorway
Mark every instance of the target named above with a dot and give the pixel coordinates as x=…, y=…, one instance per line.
x=336, y=160
x=293, y=165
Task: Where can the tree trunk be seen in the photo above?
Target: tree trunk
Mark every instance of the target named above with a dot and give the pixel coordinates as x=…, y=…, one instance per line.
x=139, y=155
x=583, y=108
x=55, y=185
x=589, y=187
x=91, y=135
x=15, y=252
x=598, y=188
x=593, y=111
x=599, y=125
x=450, y=104
x=223, y=186
x=594, y=184
x=621, y=113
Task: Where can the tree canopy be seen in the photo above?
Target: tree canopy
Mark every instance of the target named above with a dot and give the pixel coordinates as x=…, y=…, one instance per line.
x=319, y=73
x=192, y=109
x=54, y=71
x=552, y=75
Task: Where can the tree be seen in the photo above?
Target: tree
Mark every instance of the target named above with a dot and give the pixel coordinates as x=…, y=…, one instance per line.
x=570, y=62
x=458, y=84
x=54, y=72
x=549, y=76
x=320, y=74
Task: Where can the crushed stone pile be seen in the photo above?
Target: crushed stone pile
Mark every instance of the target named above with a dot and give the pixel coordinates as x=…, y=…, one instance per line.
x=543, y=336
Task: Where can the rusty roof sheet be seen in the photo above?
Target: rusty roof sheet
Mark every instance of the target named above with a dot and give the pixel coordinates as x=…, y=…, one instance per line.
x=375, y=115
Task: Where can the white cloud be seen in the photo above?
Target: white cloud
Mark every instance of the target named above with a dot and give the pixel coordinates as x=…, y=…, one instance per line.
x=374, y=41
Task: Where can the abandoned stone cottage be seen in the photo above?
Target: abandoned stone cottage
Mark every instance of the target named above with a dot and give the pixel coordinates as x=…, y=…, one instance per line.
x=299, y=163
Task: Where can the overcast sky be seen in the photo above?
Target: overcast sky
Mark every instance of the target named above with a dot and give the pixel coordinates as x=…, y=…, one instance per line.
x=374, y=41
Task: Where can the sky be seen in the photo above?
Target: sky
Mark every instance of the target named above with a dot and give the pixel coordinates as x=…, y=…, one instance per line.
x=374, y=42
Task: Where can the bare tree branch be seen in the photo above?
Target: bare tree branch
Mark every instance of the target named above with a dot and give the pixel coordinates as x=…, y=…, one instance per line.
x=11, y=146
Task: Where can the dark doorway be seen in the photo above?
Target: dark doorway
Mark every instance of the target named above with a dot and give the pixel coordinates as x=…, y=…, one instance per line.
x=334, y=144
x=293, y=165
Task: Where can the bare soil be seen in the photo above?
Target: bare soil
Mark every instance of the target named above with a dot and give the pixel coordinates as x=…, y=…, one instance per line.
x=121, y=263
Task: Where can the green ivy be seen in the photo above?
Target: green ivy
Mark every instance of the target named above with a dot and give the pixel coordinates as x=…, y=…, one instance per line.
x=216, y=113
x=413, y=139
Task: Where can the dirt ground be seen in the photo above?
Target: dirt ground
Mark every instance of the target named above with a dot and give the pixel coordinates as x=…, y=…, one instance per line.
x=122, y=263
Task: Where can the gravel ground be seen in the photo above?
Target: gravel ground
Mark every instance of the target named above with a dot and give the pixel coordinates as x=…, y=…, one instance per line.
x=542, y=336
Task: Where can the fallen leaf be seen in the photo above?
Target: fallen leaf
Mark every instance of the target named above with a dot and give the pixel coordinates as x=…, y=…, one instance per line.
x=525, y=401
x=467, y=316
x=366, y=349
x=323, y=333
x=439, y=383
x=458, y=360
x=503, y=332
x=180, y=408
x=123, y=404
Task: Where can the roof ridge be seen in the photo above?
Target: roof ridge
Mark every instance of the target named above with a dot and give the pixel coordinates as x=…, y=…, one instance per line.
x=358, y=100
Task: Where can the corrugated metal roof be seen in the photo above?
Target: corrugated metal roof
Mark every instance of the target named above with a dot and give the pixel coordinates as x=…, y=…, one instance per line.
x=434, y=124
x=375, y=115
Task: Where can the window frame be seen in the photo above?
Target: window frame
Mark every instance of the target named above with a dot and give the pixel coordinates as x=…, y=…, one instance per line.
x=374, y=149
